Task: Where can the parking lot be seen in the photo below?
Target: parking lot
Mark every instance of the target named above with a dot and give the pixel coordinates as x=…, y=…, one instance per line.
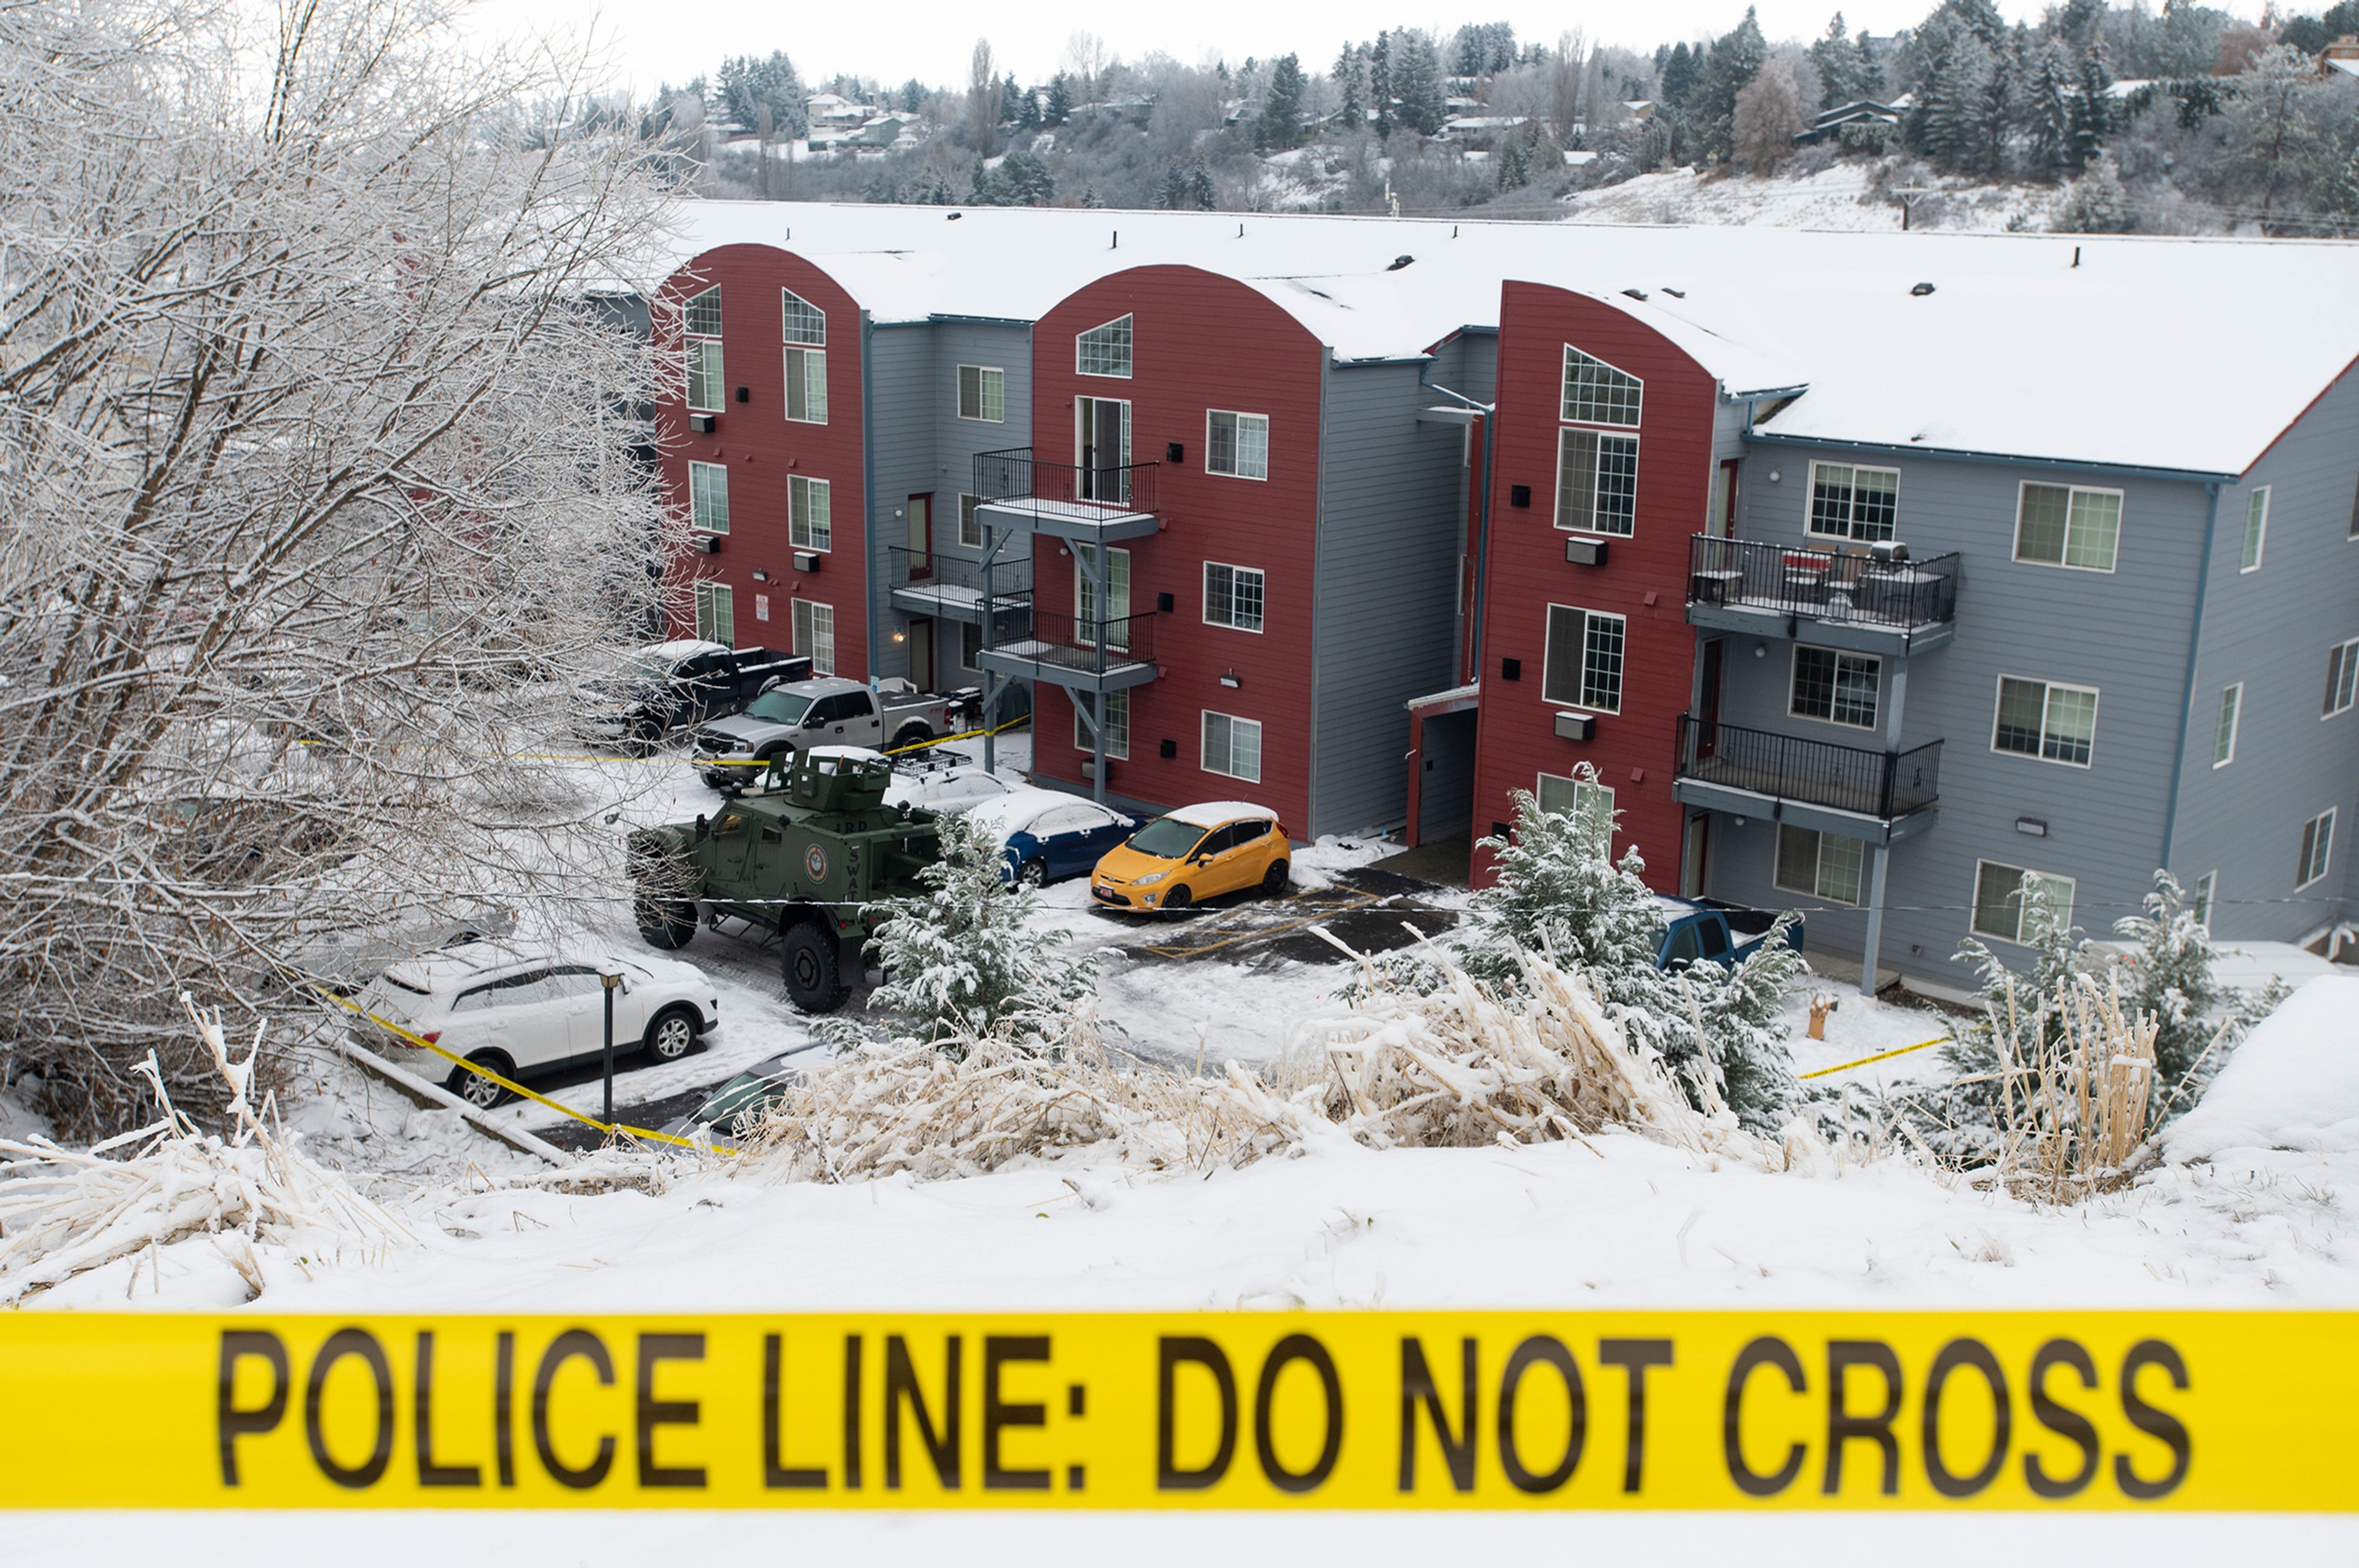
x=1373, y=910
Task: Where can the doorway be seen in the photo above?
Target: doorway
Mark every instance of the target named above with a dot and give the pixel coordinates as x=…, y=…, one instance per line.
x=1101, y=448
x=921, y=537
x=1694, y=860
x=1114, y=615
x=1722, y=522
x=921, y=653
x=1707, y=708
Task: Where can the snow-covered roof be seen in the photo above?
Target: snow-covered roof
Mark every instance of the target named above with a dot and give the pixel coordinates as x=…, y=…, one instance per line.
x=2347, y=67
x=2016, y=352
x=682, y=648
x=1215, y=812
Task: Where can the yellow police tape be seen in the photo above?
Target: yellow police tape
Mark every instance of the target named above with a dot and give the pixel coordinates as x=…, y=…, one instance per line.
x=2223, y=1410
x=1880, y=1057
x=721, y=763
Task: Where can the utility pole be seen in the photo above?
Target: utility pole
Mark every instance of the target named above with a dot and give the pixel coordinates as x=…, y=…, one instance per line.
x=1910, y=196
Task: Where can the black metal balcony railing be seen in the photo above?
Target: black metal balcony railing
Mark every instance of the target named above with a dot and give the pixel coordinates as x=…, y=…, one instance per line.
x=1821, y=585
x=1068, y=643
x=1881, y=784
x=1015, y=474
x=1011, y=576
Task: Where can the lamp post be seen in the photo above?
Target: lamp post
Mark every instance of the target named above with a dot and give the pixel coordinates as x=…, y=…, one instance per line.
x=609, y=981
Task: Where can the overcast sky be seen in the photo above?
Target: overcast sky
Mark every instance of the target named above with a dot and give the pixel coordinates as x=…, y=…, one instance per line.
x=651, y=41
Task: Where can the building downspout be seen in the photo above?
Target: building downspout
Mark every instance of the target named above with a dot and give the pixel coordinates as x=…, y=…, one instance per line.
x=1872, y=951
x=868, y=489
x=1490, y=412
x=2194, y=645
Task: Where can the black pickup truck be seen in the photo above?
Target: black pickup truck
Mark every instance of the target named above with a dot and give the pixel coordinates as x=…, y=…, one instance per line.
x=666, y=684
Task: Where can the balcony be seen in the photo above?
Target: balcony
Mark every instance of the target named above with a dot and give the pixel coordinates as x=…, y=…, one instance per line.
x=1878, y=797
x=1085, y=655
x=1872, y=603
x=1016, y=492
x=928, y=582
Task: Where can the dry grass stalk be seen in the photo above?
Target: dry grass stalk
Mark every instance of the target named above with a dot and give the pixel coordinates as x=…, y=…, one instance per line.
x=63, y=1212
x=2075, y=1114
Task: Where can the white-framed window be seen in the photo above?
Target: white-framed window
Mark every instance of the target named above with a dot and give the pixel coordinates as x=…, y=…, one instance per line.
x=2207, y=888
x=1104, y=351
x=1117, y=723
x=701, y=316
x=802, y=321
x=716, y=613
x=704, y=375
x=1596, y=482
x=1233, y=597
x=807, y=385
x=1237, y=444
x=971, y=646
x=808, y=506
x=1232, y=746
x=2067, y=526
x=1818, y=865
x=1581, y=667
x=2257, y=529
x=1848, y=501
x=707, y=497
x=1596, y=392
x=969, y=525
x=1577, y=798
x=2041, y=719
x=2353, y=534
x=1998, y=899
x=983, y=394
x=2342, y=678
x=815, y=634
x=1838, y=687
x=2317, y=849
x=2223, y=734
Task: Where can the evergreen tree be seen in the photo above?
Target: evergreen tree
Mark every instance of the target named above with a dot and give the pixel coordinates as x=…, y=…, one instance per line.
x=1380, y=85
x=1351, y=83
x=2091, y=120
x=2168, y=977
x=1679, y=76
x=1199, y=188
x=2050, y=111
x=1024, y=180
x=1514, y=164
x=1060, y=99
x=913, y=96
x=1027, y=111
x=1011, y=101
x=1417, y=82
x=1729, y=68
x=749, y=86
x=1838, y=61
x=1281, y=125
x=1957, y=105
x=2336, y=197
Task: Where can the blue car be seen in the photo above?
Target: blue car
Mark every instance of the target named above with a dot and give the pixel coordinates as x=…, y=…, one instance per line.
x=1049, y=836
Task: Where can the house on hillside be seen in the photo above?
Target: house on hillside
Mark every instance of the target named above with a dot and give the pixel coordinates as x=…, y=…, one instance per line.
x=1832, y=123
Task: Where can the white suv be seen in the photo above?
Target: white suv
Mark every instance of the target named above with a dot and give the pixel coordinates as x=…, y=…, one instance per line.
x=520, y=1010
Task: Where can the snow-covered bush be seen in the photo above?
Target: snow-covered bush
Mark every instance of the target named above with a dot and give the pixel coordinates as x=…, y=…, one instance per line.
x=962, y=960
x=2166, y=975
x=2095, y=203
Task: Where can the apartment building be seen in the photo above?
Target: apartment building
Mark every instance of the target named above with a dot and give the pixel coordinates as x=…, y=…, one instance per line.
x=1869, y=572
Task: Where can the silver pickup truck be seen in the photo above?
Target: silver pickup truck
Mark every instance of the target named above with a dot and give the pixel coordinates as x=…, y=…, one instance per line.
x=831, y=711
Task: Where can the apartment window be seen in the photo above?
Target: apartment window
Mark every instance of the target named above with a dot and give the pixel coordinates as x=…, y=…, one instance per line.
x=2060, y=525
x=983, y=394
x=807, y=385
x=1238, y=444
x=1848, y=501
x=969, y=525
x=707, y=497
x=2317, y=848
x=808, y=525
x=1232, y=597
x=1839, y=687
x=970, y=645
x=1583, y=665
x=716, y=614
x=1597, y=394
x=2040, y=718
x=1582, y=799
x=1232, y=746
x=1818, y=865
x=2341, y=676
x=1596, y=482
x=804, y=322
x=2257, y=529
x=2223, y=737
x=1117, y=723
x=1104, y=351
x=2354, y=513
x=2206, y=887
x=1998, y=899
x=702, y=314
x=704, y=377
x=815, y=634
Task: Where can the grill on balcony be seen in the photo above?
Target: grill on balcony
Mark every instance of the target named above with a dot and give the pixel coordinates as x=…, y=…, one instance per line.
x=1044, y=495
x=1089, y=654
x=1887, y=785
x=1890, y=596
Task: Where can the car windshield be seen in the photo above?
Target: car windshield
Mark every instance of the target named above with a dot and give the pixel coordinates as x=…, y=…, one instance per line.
x=756, y=1084
x=778, y=708
x=644, y=669
x=1165, y=838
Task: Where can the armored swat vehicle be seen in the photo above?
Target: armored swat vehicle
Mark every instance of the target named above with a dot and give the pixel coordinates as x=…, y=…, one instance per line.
x=799, y=858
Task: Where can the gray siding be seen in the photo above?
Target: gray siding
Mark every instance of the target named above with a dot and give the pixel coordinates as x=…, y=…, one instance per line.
x=901, y=384
x=2271, y=629
x=1392, y=495
x=2124, y=633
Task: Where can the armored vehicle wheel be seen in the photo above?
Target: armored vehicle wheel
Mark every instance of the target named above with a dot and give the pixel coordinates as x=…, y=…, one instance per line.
x=812, y=982
x=666, y=922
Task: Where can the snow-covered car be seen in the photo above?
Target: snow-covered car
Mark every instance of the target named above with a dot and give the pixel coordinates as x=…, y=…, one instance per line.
x=1048, y=836
x=733, y=753
x=953, y=786
x=520, y=1010
x=732, y=1109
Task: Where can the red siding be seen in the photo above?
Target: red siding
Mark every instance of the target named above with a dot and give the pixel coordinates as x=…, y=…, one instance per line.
x=1199, y=342
x=1645, y=577
x=762, y=448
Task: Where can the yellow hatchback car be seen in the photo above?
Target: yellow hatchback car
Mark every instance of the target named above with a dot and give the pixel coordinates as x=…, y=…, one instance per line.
x=1195, y=853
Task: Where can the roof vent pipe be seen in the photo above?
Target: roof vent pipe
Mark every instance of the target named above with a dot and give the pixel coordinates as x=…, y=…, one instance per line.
x=2076, y=255
x=1117, y=241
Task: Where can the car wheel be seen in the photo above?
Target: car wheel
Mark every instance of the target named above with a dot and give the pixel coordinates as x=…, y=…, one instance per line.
x=478, y=1090
x=666, y=922
x=672, y=1034
x=1178, y=898
x=911, y=735
x=1033, y=873
x=808, y=960
x=1273, y=881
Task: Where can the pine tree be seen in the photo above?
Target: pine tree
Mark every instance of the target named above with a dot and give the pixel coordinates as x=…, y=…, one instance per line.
x=1199, y=188
x=2168, y=978
x=1837, y=58
x=2095, y=203
x=1351, y=81
x=960, y=957
x=1960, y=1120
x=1380, y=85
x=1679, y=76
x=749, y=86
x=1060, y=99
x=1024, y=180
x=1011, y=101
x=2050, y=111
x=1729, y=68
x=1028, y=109
x=2091, y=120
x=1514, y=164
x=1417, y=82
x=1956, y=104
x=1280, y=124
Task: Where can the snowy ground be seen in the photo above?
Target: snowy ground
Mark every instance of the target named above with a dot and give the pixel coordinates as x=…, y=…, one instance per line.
x=1835, y=198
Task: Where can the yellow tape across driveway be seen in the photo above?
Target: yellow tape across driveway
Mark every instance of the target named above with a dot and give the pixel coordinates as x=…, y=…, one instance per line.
x=1892, y=1409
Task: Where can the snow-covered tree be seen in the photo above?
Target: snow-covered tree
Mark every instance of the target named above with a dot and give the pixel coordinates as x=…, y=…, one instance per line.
x=1350, y=76
x=1842, y=69
x=1417, y=81
x=1060, y=99
x=1727, y=72
x=2048, y=107
x=962, y=956
x=2280, y=120
x=1769, y=114
x=1280, y=122
x=2168, y=975
x=2095, y=203
x=750, y=86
